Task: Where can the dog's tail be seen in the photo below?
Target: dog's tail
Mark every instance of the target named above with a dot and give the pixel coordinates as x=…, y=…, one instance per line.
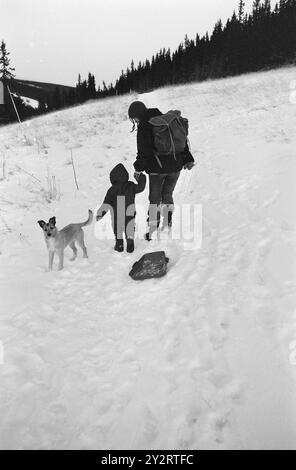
x=89, y=220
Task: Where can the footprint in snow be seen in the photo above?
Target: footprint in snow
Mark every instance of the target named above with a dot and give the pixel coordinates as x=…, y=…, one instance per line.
x=219, y=379
x=186, y=437
x=149, y=431
x=289, y=288
x=172, y=348
x=128, y=356
x=268, y=317
x=48, y=312
x=220, y=422
x=123, y=396
x=59, y=410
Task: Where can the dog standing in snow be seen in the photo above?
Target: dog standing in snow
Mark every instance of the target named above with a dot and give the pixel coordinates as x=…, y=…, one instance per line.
x=57, y=240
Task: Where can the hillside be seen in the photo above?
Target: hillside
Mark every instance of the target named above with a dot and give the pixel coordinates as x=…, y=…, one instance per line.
x=200, y=359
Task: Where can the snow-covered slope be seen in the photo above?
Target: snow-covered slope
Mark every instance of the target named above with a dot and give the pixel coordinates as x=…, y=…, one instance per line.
x=202, y=358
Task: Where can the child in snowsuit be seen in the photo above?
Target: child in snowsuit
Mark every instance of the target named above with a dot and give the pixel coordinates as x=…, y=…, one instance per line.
x=120, y=199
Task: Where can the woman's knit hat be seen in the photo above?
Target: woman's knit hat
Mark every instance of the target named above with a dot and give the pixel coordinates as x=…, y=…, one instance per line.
x=136, y=110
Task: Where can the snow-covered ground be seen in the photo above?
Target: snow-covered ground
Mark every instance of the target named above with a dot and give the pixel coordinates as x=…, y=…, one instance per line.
x=204, y=358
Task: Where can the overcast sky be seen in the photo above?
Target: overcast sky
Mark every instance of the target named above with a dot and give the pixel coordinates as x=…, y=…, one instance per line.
x=54, y=40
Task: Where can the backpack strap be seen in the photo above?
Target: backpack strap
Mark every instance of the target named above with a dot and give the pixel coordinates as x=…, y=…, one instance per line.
x=157, y=159
x=154, y=151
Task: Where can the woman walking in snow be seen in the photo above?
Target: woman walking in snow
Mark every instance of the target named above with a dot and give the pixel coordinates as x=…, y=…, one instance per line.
x=163, y=170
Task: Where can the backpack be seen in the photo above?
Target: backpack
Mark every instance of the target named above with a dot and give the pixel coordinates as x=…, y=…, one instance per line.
x=170, y=131
x=149, y=266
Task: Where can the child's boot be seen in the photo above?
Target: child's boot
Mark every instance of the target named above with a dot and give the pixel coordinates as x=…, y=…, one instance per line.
x=119, y=246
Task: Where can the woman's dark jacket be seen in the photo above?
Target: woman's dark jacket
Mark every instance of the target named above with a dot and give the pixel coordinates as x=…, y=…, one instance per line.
x=146, y=159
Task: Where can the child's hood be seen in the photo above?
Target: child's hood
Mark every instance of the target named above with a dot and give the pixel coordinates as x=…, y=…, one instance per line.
x=119, y=174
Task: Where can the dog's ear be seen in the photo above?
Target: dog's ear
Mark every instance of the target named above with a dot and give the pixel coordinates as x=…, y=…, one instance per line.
x=41, y=223
x=52, y=220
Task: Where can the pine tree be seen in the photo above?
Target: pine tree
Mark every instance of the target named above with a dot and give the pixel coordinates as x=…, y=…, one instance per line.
x=256, y=8
x=241, y=11
x=57, y=99
x=79, y=89
x=6, y=71
x=186, y=41
x=41, y=106
x=267, y=7
x=91, y=86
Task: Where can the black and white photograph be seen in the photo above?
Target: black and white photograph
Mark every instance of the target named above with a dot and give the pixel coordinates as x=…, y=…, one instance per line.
x=147, y=227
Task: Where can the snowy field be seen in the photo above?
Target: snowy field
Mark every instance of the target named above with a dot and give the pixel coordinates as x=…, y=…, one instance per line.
x=204, y=358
